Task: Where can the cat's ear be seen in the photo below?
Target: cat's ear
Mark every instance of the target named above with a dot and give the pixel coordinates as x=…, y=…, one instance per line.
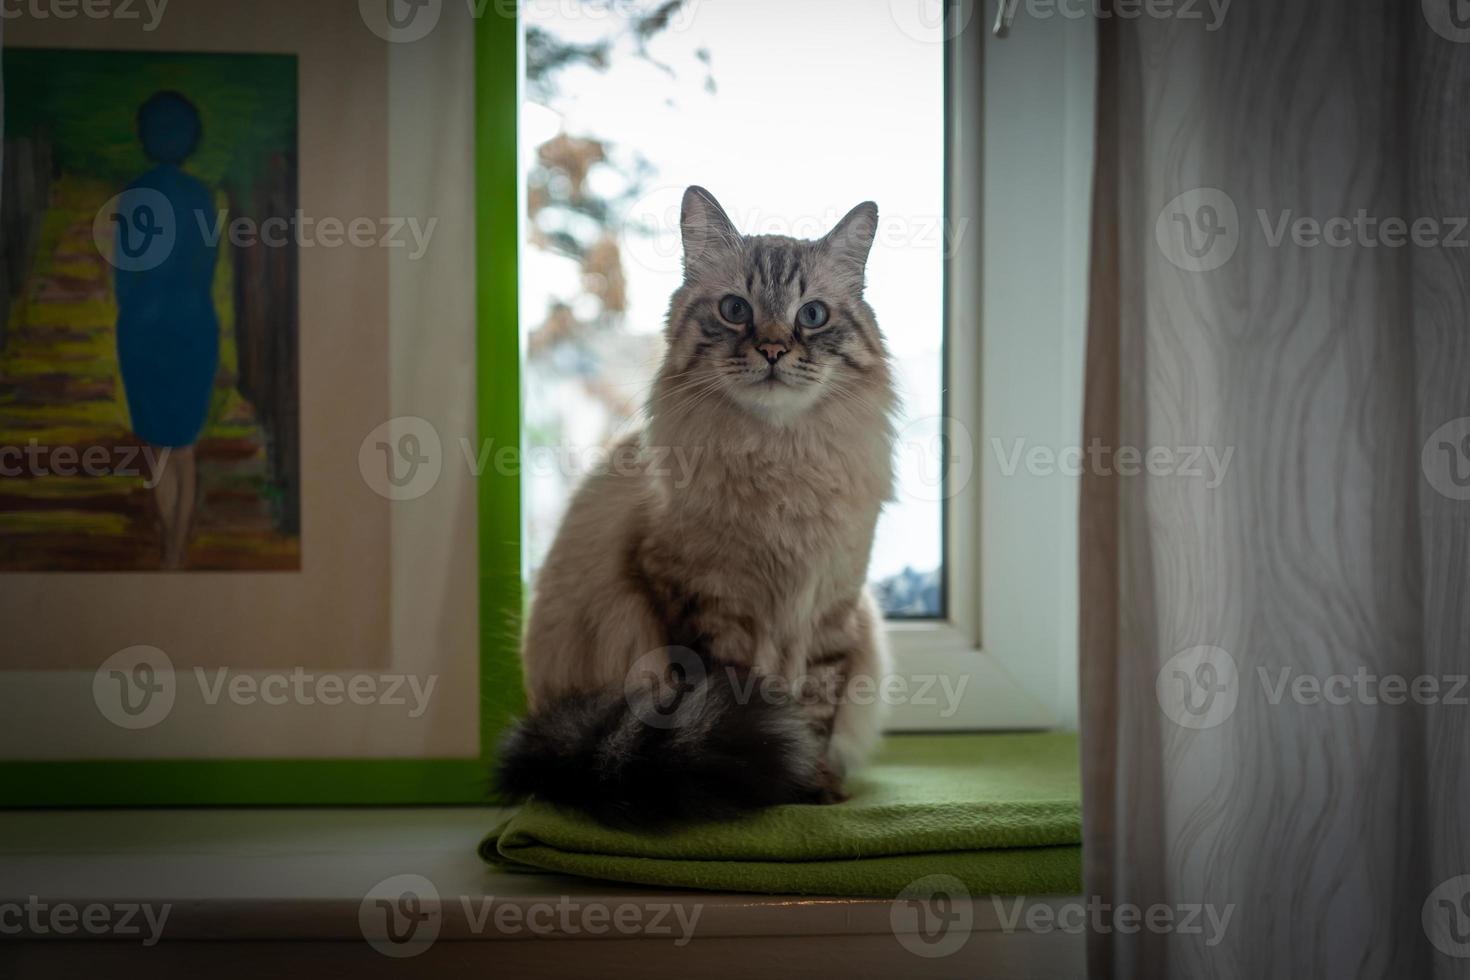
x=705, y=228
x=852, y=238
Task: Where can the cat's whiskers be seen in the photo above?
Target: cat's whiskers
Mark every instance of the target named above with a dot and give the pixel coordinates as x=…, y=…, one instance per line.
x=679, y=393
x=848, y=397
x=685, y=406
x=679, y=396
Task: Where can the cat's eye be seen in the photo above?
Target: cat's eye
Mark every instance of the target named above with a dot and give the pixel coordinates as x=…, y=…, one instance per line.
x=735, y=309
x=812, y=315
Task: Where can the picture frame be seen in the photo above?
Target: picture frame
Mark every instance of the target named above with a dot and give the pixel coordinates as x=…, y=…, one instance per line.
x=495, y=695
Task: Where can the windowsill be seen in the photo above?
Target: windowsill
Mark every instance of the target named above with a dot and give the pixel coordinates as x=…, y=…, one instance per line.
x=236, y=875
x=947, y=684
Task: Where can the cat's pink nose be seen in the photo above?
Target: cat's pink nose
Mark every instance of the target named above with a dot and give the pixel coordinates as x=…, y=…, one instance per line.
x=773, y=351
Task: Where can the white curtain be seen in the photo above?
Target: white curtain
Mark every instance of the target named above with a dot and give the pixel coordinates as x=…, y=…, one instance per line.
x=1334, y=370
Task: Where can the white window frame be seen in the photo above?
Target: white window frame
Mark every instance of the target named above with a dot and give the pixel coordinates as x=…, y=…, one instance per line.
x=1020, y=118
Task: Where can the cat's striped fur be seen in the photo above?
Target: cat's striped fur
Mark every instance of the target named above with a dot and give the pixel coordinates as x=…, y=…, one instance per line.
x=753, y=564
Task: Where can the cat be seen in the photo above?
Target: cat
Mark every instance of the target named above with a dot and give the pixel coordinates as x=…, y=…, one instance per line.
x=704, y=643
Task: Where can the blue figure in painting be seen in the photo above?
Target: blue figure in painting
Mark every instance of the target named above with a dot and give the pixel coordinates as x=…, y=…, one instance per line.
x=167, y=331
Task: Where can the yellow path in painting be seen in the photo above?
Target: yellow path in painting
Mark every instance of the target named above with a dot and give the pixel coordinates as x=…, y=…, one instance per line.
x=62, y=404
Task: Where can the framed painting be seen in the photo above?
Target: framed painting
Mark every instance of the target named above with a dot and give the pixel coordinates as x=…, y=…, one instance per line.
x=257, y=313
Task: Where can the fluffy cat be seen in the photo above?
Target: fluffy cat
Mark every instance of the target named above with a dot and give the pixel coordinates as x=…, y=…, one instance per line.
x=704, y=643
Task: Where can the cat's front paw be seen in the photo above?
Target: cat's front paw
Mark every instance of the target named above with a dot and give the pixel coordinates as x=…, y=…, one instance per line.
x=829, y=785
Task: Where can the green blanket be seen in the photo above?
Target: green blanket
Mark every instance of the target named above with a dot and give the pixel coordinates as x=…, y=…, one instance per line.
x=1002, y=813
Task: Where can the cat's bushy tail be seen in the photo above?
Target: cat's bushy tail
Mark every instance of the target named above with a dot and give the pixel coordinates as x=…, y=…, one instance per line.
x=711, y=748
